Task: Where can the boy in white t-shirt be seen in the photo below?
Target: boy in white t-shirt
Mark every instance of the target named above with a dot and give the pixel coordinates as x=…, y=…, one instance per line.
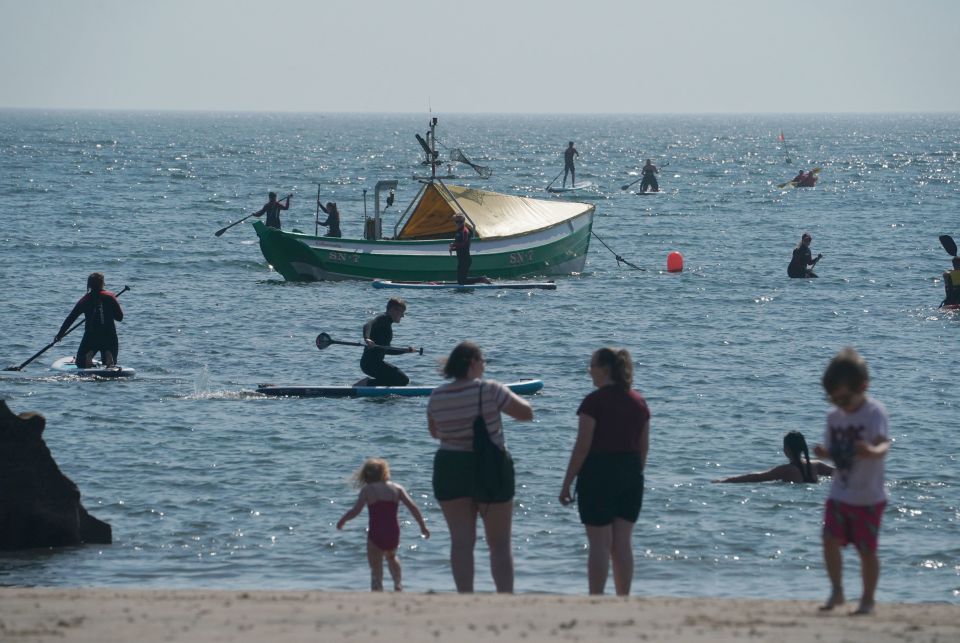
x=856, y=439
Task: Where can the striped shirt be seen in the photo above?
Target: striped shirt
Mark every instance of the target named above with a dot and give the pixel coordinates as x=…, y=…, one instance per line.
x=454, y=406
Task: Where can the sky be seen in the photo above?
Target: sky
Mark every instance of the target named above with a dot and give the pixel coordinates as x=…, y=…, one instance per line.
x=482, y=56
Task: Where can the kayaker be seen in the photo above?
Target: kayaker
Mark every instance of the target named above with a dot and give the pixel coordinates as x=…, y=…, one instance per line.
x=461, y=243
x=568, y=155
x=951, y=284
x=798, y=178
x=100, y=309
x=808, y=181
x=333, y=218
x=649, y=182
x=379, y=332
x=272, y=210
x=802, y=263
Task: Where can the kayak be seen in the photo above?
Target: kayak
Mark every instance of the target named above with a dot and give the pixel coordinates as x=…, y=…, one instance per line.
x=523, y=387
x=452, y=285
x=950, y=307
x=580, y=186
x=68, y=365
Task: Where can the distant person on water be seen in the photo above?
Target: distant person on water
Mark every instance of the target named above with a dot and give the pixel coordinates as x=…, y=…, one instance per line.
x=378, y=332
x=100, y=309
x=382, y=497
x=568, y=155
x=857, y=439
x=794, y=444
x=802, y=263
x=461, y=244
x=454, y=414
x=608, y=459
x=272, y=210
x=333, y=219
x=808, y=181
x=649, y=182
x=951, y=284
x=799, y=177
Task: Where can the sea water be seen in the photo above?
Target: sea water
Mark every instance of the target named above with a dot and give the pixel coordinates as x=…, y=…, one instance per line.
x=207, y=484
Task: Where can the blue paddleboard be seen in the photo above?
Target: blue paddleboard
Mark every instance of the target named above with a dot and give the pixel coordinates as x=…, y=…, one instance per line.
x=524, y=387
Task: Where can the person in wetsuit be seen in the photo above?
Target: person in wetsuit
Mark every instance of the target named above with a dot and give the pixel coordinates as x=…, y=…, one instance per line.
x=272, y=210
x=951, y=284
x=378, y=332
x=802, y=263
x=568, y=155
x=100, y=309
x=649, y=182
x=333, y=219
x=461, y=243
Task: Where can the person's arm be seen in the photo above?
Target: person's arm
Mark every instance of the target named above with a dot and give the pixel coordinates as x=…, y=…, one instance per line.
x=117, y=310
x=816, y=259
x=367, y=328
x=77, y=309
x=580, y=450
x=432, y=425
x=878, y=449
x=644, y=443
x=517, y=407
x=414, y=511
x=354, y=511
x=259, y=213
x=763, y=476
x=287, y=206
x=822, y=468
x=821, y=452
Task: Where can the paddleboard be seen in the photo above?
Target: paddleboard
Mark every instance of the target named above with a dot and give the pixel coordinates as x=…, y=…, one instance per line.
x=523, y=387
x=950, y=307
x=452, y=285
x=650, y=192
x=68, y=365
x=580, y=186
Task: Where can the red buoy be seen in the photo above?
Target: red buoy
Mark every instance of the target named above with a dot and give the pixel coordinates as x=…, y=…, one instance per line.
x=674, y=262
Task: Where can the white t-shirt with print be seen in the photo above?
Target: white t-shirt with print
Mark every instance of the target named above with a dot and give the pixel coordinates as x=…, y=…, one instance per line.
x=860, y=482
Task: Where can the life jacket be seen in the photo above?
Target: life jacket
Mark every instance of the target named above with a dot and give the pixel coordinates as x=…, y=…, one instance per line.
x=954, y=276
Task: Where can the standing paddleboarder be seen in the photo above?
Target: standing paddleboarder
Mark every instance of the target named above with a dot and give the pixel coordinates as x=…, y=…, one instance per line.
x=272, y=210
x=379, y=332
x=802, y=263
x=649, y=182
x=568, y=155
x=461, y=243
x=100, y=309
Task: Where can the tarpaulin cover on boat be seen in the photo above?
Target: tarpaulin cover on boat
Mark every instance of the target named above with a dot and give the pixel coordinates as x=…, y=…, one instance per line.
x=492, y=214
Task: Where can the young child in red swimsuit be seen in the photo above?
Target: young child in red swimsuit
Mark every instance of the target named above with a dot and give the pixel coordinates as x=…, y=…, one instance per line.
x=382, y=498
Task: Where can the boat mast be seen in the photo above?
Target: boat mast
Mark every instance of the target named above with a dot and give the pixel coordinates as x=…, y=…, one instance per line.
x=432, y=152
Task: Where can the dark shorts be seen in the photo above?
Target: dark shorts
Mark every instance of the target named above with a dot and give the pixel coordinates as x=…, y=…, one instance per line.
x=610, y=485
x=454, y=477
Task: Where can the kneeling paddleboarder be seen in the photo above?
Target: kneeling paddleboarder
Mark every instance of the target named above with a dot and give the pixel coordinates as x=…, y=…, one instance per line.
x=377, y=333
x=100, y=309
x=802, y=263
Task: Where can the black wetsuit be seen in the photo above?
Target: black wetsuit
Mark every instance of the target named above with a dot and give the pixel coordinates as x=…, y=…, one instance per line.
x=272, y=210
x=100, y=310
x=649, y=182
x=802, y=257
x=461, y=243
x=380, y=330
x=333, y=222
x=568, y=167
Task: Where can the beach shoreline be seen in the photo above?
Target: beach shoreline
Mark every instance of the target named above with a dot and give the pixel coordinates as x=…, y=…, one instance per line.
x=107, y=615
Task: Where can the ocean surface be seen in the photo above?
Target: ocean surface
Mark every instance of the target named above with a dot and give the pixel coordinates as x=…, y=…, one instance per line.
x=207, y=484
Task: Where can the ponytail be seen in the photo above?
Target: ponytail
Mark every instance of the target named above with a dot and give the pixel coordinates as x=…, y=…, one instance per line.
x=793, y=444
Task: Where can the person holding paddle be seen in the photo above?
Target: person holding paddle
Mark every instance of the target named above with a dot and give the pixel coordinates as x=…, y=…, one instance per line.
x=461, y=244
x=100, y=309
x=377, y=335
x=802, y=263
x=333, y=218
x=272, y=210
x=568, y=155
x=649, y=182
x=951, y=284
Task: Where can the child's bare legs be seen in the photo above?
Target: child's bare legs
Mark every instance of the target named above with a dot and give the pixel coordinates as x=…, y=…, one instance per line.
x=393, y=564
x=870, y=565
x=375, y=558
x=834, y=562
x=461, y=517
x=497, y=522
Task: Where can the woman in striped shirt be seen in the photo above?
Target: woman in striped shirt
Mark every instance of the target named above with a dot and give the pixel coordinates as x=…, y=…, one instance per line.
x=451, y=412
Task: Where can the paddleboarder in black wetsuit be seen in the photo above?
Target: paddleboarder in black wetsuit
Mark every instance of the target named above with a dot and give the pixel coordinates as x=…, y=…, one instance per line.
x=379, y=332
x=568, y=155
x=461, y=243
x=333, y=219
x=951, y=284
x=649, y=182
x=272, y=210
x=100, y=309
x=802, y=263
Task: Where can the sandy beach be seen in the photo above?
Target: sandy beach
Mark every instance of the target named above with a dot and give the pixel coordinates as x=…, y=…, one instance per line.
x=105, y=615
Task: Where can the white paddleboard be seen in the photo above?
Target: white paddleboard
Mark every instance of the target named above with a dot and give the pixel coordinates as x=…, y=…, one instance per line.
x=580, y=186
x=68, y=365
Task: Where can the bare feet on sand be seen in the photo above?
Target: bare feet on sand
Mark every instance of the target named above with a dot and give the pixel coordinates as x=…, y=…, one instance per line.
x=836, y=598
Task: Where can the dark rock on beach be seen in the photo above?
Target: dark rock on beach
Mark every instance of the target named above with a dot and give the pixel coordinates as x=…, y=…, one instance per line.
x=39, y=506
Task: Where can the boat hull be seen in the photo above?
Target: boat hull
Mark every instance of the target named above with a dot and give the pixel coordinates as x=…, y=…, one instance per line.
x=557, y=250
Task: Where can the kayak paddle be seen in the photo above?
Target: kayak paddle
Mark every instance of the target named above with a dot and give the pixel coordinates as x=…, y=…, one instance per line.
x=222, y=230
x=948, y=244
x=48, y=346
x=324, y=341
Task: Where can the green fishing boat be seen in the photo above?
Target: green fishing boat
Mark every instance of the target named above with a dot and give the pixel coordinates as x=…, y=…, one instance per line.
x=514, y=237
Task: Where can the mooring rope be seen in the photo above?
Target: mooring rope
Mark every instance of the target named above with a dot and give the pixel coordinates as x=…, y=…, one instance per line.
x=618, y=257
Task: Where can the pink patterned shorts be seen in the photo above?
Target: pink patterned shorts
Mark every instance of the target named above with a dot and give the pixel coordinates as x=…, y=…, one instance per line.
x=857, y=524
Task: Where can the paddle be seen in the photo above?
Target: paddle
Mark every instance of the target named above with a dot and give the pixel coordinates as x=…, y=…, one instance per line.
x=948, y=244
x=324, y=341
x=627, y=186
x=222, y=230
x=554, y=181
x=48, y=346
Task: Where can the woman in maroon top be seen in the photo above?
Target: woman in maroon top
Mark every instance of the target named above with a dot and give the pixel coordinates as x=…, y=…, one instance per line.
x=608, y=461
